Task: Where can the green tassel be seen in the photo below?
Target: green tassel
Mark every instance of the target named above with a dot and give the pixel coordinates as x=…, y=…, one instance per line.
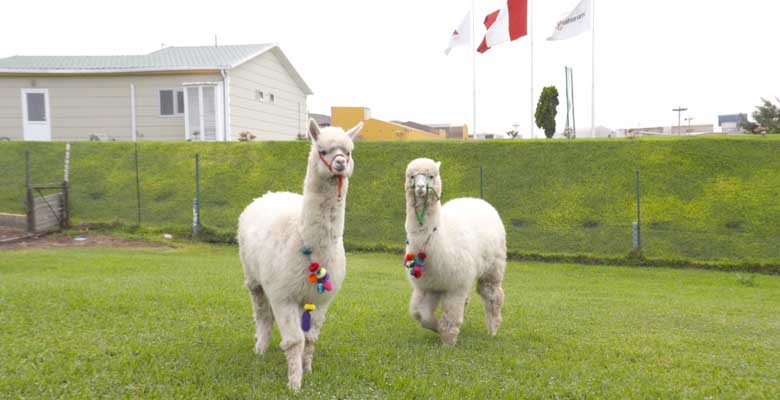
x=306, y=250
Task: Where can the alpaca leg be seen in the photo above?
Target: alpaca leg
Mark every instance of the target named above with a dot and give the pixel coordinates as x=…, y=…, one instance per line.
x=452, y=309
x=422, y=308
x=317, y=319
x=489, y=287
x=264, y=319
x=288, y=318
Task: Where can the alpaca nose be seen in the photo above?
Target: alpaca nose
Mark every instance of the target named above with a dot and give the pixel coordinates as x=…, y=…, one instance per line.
x=339, y=164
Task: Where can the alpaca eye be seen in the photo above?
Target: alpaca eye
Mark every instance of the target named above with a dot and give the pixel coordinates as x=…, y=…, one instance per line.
x=323, y=152
x=431, y=176
x=348, y=153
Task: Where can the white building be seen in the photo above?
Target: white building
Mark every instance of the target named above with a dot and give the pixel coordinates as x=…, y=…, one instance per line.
x=177, y=93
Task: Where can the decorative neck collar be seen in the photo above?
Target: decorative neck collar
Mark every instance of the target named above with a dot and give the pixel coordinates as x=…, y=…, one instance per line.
x=320, y=277
x=415, y=264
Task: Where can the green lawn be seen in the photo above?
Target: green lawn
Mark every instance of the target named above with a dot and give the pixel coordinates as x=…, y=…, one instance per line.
x=176, y=323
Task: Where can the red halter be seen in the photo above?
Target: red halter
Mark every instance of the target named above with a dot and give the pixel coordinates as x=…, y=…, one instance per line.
x=330, y=168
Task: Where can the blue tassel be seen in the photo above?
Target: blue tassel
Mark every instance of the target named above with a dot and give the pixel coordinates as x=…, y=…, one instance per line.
x=320, y=288
x=306, y=250
x=306, y=321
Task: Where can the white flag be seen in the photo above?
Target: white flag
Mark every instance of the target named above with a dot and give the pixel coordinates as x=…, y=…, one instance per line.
x=576, y=22
x=462, y=35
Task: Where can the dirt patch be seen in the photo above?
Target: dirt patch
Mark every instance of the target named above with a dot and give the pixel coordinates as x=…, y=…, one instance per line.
x=8, y=233
x=62, y=240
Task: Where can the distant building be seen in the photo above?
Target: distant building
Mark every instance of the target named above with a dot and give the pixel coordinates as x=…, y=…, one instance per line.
x=374, y=129
x=205, y=93
x=729, y=123
x=683, y=130
x=322, y=119
x=453, y=131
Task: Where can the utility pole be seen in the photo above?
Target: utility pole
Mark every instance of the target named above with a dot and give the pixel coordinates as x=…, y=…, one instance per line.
x=679, y=111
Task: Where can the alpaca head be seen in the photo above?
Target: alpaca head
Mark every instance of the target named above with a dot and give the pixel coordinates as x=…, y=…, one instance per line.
x=331, y=150
x=423, y=179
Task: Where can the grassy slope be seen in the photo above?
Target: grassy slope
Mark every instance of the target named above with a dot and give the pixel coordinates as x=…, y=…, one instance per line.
x=703, y=198
x=150, y=323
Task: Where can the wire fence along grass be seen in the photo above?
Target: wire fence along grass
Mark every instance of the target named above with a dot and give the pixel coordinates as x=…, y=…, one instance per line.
x=709, y=198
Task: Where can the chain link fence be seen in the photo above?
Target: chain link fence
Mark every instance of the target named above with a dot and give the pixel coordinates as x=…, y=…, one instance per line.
x=692, y=200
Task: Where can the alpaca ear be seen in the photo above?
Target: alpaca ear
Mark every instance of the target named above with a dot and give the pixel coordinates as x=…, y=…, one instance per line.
x=355, y=129
x=314, y=129
x=438, y=166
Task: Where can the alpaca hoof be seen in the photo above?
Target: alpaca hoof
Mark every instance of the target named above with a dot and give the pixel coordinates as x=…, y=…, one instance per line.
x=294, y=385
x=307, y=366
x=260, y=348
x=449, y=340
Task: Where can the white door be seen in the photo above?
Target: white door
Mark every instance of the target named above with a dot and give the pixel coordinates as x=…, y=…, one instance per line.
x=203, y=113
x=36, y=119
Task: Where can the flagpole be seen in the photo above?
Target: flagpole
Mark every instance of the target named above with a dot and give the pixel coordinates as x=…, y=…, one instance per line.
x=473, y=73
x=593, y=70
x=531, y=36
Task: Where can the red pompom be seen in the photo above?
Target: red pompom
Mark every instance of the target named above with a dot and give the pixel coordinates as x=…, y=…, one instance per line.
x=422, y=256
x=409, y=257
x=417, y=274
x=314, y=266
x=313, y=278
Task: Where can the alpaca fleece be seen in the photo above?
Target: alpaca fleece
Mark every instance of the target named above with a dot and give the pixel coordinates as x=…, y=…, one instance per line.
x=271, y=232
x=464, y=241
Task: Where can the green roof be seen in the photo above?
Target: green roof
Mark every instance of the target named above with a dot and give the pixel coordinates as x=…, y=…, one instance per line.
x=166, y=59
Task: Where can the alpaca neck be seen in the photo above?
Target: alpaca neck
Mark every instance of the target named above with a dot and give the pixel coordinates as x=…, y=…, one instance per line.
x=431, y=219
x=323, y=211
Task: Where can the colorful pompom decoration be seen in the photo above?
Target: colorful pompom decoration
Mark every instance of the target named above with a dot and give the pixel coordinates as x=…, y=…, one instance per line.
x=306, y=319
x=319, y=277
x=414, y=264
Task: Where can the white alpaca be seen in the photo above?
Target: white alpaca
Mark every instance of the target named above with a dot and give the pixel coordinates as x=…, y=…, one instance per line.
x=281, y=235
x=448, y=248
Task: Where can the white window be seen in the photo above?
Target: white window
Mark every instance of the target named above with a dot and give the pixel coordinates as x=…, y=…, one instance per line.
x=36, y=107
x=171, y=102
x=259, y=95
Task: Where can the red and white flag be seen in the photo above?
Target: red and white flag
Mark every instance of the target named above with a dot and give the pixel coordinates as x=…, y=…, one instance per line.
x=461, y=36
x=508, y=23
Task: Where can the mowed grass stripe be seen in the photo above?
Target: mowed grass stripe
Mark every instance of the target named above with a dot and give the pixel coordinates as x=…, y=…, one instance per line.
x=162, y=323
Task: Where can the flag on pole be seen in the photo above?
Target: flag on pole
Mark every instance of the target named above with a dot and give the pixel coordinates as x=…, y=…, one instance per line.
x=461, y=36
x=508, y=23
x=576, y=22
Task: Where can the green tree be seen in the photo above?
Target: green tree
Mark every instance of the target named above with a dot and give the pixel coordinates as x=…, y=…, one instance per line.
x=768, y=116
x=546, y=109
x=745, y=124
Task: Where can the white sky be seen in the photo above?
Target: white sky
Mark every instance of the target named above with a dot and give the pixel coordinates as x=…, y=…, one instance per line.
x=711, y=56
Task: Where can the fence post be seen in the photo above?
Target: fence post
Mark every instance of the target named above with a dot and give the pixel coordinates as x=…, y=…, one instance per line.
x=65, y=222
x=196, y=201
x=137, y=188
x=481, y=184
x=638, y=224
x=29, y=194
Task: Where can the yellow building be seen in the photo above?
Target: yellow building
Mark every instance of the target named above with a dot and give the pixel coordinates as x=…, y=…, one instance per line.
x=374, y=129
